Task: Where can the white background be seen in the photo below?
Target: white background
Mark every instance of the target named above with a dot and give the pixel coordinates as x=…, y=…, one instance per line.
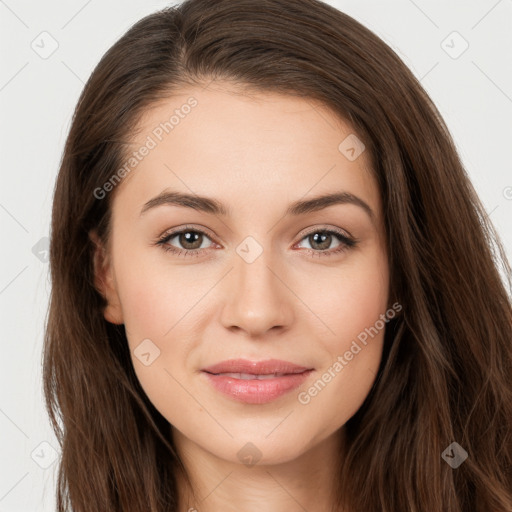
x=37, y=97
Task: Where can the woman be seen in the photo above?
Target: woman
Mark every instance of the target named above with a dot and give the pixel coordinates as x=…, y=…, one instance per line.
x=199, y=356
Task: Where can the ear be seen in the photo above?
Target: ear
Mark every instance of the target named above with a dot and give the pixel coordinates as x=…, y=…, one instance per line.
x=104, y=281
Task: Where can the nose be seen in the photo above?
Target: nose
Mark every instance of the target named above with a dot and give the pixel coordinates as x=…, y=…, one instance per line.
x=258, y=297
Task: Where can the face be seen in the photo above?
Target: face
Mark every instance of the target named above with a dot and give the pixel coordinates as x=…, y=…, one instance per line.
x=248, y=273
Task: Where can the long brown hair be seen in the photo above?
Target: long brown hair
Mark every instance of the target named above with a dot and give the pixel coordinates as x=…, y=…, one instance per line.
x=445, y=374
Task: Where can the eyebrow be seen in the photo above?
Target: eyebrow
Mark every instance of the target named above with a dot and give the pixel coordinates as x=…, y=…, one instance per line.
x=212, y=206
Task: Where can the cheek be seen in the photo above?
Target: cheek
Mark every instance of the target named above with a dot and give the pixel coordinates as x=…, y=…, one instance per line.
x=350, y=336
x=155, y=316
x=157, y=300
x=147, y=310
x=348, y=300
x=160, y=308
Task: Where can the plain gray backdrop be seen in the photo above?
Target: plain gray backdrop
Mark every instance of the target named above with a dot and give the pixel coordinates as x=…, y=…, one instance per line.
x=460, y=50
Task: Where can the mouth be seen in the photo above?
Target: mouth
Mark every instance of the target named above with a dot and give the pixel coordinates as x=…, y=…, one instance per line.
x=246, y=367
x=253, y=376
x=256, y=382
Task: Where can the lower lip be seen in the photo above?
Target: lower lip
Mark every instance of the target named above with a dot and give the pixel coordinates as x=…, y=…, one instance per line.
x=257, y=391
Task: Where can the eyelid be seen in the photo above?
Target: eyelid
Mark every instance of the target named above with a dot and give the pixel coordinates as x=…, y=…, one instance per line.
x=190, y=227
x=324, y=227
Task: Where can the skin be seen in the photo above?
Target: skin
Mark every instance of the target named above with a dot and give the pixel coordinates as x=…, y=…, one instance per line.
x=256, y=154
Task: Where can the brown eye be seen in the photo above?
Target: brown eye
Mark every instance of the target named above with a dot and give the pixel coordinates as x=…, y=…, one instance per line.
x=320, y=242
x=188, y=241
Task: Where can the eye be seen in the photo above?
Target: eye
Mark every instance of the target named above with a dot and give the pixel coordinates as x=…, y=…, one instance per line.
x=321, y=239
x=191, y=241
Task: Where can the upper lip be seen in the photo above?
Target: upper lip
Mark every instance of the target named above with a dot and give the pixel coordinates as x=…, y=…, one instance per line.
x=266, y=367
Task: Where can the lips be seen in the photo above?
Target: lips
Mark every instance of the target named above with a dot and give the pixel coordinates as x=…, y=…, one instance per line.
x=245, y=368
x=256, y=382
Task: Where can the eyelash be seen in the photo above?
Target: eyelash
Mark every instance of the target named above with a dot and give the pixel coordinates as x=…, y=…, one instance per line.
x=346, y=242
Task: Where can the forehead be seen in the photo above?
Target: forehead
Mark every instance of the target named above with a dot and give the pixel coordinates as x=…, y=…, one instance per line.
x=244, y=147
